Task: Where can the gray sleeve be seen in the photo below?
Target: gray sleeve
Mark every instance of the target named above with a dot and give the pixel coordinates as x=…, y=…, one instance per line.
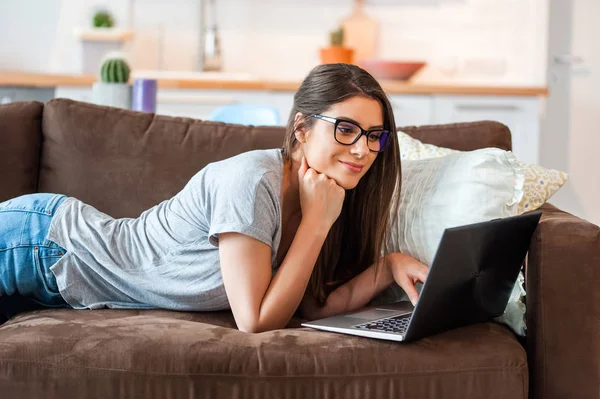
x=245, y=206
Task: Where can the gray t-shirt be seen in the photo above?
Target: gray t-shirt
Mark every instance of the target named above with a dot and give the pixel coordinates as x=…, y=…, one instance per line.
x=168, y=257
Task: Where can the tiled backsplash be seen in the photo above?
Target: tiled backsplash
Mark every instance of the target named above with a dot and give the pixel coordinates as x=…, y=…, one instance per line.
x=480, y=41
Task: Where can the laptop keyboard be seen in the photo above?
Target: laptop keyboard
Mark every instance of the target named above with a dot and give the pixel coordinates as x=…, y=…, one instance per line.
x=396, y=324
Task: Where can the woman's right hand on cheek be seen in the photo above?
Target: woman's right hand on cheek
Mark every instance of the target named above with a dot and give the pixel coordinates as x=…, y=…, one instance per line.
x=321, y=198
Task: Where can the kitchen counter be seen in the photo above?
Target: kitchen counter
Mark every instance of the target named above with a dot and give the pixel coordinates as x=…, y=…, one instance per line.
x=192, y=80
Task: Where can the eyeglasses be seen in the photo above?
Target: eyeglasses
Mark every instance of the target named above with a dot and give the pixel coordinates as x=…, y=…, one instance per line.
x=348, y=133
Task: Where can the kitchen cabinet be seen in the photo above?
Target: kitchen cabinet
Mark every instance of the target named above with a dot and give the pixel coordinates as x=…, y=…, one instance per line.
x=519, y=113
x=408, y=110
x=10, y=94
x=76, y=93
x=412, y=110
x=197, y=103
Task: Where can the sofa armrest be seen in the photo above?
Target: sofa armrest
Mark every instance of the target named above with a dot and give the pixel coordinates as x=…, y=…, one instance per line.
x=21, y=138
x=563, y=307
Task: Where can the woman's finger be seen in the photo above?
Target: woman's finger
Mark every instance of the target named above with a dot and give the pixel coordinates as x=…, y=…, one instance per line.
x=409, y=288
x=420, y=272
x=303, y=168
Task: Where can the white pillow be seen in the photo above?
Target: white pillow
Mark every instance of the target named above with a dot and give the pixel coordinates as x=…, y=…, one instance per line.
x=453, y=190
x=540, y=183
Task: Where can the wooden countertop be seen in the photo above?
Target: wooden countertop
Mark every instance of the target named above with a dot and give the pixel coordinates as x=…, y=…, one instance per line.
x=391, y=87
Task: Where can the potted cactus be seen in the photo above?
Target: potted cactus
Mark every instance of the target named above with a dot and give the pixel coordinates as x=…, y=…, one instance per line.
x=336, y=52
x=113, y=89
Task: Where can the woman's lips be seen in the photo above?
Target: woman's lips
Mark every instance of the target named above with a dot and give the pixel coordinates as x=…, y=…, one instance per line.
x=352, y=166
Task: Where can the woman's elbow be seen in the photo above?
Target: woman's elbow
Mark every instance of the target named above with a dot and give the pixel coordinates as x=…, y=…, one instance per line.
x=249, y=328
x=253, y=327
x=248, y=324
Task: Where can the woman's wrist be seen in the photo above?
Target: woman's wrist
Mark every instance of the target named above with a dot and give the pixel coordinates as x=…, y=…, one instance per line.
x=317, y=225
x=388, y=275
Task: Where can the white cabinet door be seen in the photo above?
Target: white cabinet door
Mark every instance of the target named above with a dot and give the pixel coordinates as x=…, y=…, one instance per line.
x=199, y=103
x=412, y=110
x=74, y=93
x=408, y=109
x=7, y=95
x=520, y=114
x=283, y=101
x=10, y=94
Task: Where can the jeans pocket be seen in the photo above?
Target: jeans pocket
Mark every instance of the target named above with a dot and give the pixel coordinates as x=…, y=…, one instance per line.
x=44, y=257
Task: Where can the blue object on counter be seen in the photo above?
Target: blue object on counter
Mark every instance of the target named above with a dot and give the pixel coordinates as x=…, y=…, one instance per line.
x=246, y=114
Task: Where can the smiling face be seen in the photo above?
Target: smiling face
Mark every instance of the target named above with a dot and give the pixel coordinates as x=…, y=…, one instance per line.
x=346, y=164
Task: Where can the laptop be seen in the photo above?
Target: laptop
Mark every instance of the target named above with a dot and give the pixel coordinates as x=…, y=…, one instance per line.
x=470, y=281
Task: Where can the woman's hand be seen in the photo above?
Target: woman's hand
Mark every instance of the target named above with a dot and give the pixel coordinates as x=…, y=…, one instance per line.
x=321, y=198
x=406, y=271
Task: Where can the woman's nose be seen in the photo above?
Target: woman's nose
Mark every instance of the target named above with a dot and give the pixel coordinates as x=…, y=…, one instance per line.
x=361, y=146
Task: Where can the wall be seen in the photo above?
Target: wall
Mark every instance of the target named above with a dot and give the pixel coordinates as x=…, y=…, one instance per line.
x=480, y=41
x=581, y=194
x=584, y=162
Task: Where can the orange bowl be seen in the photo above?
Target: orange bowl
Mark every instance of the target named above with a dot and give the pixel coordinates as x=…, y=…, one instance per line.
x=392, y=70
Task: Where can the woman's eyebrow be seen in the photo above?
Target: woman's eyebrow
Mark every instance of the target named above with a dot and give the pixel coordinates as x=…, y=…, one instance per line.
x=345, y=118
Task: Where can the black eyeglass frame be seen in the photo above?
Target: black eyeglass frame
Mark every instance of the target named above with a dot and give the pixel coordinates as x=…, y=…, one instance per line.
x=363, y=132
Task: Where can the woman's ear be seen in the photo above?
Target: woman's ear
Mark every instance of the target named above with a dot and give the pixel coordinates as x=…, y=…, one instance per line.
x=299, y=127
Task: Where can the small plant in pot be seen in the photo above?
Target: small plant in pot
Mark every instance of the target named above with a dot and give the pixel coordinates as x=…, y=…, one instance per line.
x=113, y=89
x=103, y=19
x=336, y=52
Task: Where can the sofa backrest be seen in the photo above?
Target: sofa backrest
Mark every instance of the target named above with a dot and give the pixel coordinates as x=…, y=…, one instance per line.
x=123, y=162
x=463, y=136
x=20, y=144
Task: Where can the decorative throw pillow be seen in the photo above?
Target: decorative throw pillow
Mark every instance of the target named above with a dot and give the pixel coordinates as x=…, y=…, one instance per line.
x=540, y=183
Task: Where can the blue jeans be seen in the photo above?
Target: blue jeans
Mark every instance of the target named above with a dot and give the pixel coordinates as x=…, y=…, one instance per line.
x=25, y=254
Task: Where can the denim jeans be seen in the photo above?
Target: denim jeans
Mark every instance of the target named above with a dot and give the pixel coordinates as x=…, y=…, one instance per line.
x=25, y=254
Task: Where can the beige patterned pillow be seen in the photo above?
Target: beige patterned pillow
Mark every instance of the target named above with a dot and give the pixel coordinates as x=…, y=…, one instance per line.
x=540, y=183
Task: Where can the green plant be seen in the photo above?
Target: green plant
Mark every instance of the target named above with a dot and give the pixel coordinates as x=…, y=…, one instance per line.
x=103, y=19
x=115, y=70
x=336, y=37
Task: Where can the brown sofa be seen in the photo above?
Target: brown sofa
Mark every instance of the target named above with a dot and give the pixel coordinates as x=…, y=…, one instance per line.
x=123, y=162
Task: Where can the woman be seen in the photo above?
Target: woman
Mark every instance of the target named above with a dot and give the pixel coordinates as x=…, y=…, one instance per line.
x=264, y=233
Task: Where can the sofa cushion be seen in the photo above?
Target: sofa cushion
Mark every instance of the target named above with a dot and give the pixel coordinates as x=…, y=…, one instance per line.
x=21, y=137
x=158, y=354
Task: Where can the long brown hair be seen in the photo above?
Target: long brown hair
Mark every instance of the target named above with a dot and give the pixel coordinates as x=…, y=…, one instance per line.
x=356, y=239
